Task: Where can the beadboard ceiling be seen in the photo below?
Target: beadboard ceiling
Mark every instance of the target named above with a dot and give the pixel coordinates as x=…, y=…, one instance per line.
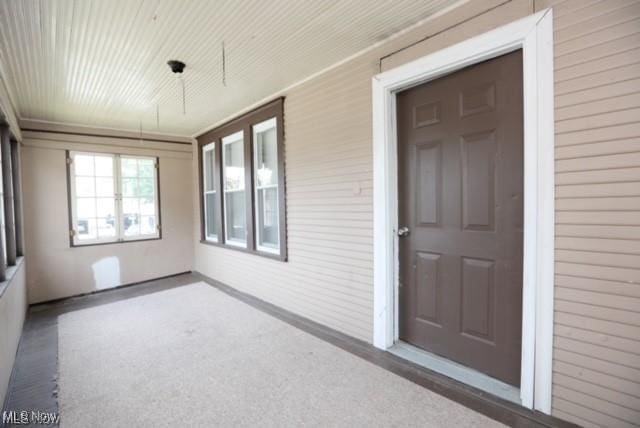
x=103, y=62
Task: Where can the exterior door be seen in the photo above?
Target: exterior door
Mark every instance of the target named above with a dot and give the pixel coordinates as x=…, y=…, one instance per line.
x=460, y=186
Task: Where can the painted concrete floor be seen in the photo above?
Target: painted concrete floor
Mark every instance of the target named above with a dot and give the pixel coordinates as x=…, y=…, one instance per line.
x=197, y=355
x=168, y=353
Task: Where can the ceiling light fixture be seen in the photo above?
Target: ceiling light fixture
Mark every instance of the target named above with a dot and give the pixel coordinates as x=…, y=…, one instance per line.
x=177, y=67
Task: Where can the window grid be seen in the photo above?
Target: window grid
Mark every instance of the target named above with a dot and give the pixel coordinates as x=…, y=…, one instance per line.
x=97, y=195
x=116, y=226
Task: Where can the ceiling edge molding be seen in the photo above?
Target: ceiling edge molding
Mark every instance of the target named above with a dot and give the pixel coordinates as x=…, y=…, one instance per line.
x=34, y=125
x=312, y=76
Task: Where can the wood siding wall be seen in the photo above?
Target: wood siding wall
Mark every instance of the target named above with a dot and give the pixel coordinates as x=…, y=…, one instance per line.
x=596, y=371
x=330, y=209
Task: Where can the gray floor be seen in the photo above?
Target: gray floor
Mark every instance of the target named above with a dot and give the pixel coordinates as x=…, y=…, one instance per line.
x=196, y=354
x=35, y=379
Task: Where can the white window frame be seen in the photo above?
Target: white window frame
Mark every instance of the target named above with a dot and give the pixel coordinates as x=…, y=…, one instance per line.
x=211, y=147
x=119, y=206
x=257, y=128
x=231, y=139
x=117, y=178
x=534, y=35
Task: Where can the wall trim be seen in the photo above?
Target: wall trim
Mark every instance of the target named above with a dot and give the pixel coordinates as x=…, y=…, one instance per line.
x=534, y=35
x=35, y=125
x=44, y=303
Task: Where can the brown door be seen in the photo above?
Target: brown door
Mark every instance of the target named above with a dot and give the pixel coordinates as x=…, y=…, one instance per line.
x=460, y=183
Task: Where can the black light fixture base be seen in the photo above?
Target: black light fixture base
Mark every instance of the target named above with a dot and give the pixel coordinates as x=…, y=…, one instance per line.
x=176, y=66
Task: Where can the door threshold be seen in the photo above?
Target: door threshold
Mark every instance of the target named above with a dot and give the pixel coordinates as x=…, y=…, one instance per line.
x=456, y=371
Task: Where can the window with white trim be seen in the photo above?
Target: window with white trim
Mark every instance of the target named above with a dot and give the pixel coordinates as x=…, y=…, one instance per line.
x=210, y=192
x=235, y=214
x=113, y=198
x=265, y=179
x=242, y=183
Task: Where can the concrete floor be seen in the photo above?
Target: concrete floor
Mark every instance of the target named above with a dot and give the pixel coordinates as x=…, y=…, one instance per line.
x=170, y=353
x=195, y=354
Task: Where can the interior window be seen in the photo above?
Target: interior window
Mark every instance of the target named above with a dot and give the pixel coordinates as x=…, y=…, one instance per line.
x=265, y=145
x=210, y=193
x=242, y=183
x=113, y=198
x=234, y=189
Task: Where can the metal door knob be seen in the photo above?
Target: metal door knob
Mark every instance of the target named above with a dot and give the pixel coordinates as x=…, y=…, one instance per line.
x=403, y=231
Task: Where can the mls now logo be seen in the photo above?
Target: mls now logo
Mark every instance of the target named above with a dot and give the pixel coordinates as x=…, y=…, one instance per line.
x=24, y=417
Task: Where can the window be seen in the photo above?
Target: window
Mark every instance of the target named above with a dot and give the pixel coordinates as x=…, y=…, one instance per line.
x=10, y=206
x=210, y=192
x=235, y=214
x=245, y=157
x=114, y=198
x=265, y=164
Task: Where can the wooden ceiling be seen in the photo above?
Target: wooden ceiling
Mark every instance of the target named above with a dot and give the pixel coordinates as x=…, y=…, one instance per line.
x=103, y=62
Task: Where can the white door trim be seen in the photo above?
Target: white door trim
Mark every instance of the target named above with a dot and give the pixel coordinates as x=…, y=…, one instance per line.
x=534, y=35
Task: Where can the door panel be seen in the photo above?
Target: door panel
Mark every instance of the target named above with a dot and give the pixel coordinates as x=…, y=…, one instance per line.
x=460, y=187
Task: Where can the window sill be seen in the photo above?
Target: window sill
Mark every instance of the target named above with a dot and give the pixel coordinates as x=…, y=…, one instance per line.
x=114, y=242
x=278, y=257
x=11, y=272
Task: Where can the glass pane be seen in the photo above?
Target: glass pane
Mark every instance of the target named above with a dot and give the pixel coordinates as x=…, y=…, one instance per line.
x=131, y=224
x=106, y=227
x=85, y=186
x=147, y=206
x=105, y=208
x=234, y=166
x=212, y=215
x=146, y=167
x=147, y=225
x=83, y=165
x=86, y=228
x=146, y=187
x=130, y=186
x=104, y=186
x=266, y=156
x=209, y=166
x=130, y=205
x=85, y=207
x=235, y=216
x=267, y=217
x=104, y=166
x=129, y=167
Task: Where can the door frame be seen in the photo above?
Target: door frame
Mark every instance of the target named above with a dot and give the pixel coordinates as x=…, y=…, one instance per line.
x=534, y=35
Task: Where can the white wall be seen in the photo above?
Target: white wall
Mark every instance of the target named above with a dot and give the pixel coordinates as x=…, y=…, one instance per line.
x=13, y=305
x=57, y=270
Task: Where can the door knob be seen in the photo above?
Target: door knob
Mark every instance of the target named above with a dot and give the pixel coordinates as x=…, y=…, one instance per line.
x=403, y=231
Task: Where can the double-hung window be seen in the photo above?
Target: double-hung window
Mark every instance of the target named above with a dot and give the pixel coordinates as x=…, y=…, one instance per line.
x=210, y=192
x=265, y=173
x=242, y=183
x=235, y=213
x=113, y=198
